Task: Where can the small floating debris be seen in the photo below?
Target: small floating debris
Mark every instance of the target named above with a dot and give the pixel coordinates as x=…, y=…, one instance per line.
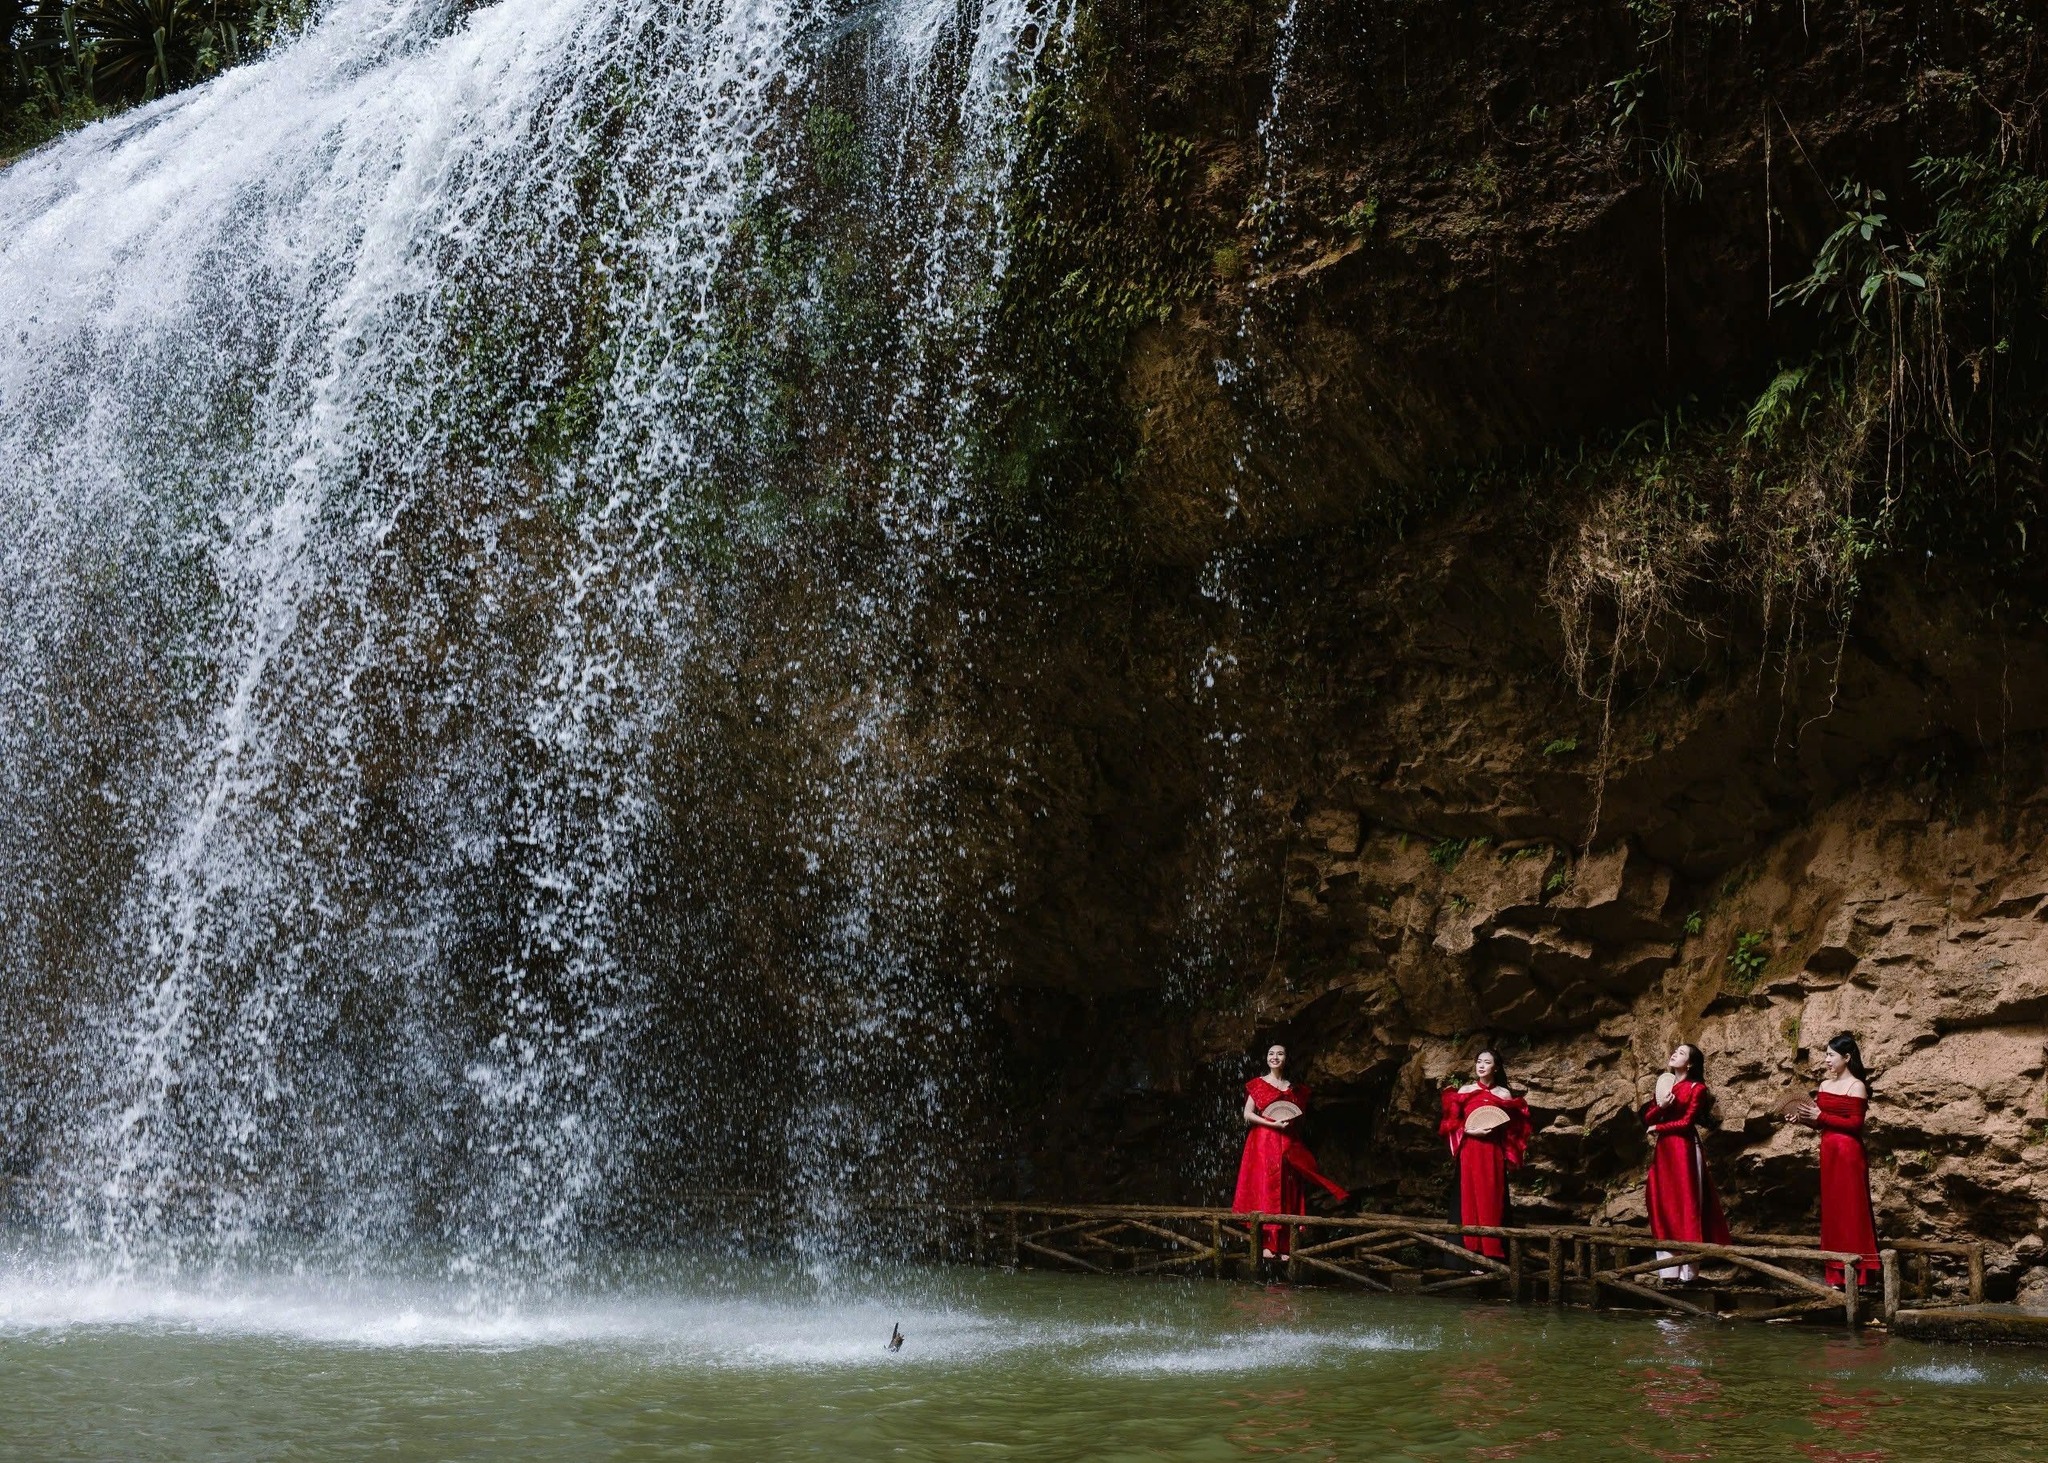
x=895, y=1337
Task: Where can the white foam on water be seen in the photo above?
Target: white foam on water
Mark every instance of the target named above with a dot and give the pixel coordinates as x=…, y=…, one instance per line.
x=1251, y=1351
x=1947, y=1374
x=676, y=1323
x=670, y=1329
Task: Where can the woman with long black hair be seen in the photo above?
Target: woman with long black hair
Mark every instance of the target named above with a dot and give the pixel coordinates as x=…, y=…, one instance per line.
x=1680, y=1191
x=1487, y=1128
x=1847, y=1220
x=1276, y=1162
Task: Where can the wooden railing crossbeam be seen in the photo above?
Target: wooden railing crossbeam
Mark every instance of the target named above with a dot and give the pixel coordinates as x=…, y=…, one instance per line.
x=1473, y=1257
x=1438, y=1287
x=1357, y=1277
x=1660, y=1297
x=1792, y=1277
x=1164, y=1262
x=1062, y=1256
x=1797, y=1308
x=1163, y=1233
x=1361, y=1246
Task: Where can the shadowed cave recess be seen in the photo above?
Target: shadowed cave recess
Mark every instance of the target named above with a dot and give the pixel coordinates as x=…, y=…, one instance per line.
x=614, y=601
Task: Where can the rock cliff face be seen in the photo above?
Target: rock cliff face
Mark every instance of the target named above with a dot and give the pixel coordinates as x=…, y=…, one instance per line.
x=1773, y=863
x=1326, y=762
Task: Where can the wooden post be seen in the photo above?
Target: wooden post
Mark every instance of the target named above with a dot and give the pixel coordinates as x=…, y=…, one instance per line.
x=1216, y=1244
x=1923, y=1275
x=1976, y=1275
x=1851, y=1275
x=1557, y=1243
x=1889, y=1261
x=1251, y=1249
x=1016, y=1249
x=1293, y=1244
x=1515, y=1268
x=1593, y=1267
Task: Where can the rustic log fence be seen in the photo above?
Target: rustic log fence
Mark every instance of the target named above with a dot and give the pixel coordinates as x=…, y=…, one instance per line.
x=1755, y=1278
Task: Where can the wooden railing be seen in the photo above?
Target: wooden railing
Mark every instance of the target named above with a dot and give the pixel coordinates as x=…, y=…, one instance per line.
x=1755, y=1278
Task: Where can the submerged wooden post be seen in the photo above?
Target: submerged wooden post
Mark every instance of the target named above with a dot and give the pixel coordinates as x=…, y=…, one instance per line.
x=1515, y=1268
x=1976, y=1275
x=1016, y=1248
x=1293, y=1244
x=1557, y=1270
x=1251, y=1248
x=1851, y=1282
x=1888, y=1260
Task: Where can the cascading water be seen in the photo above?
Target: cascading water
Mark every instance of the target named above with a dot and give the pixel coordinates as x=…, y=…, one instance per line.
x=436, y=459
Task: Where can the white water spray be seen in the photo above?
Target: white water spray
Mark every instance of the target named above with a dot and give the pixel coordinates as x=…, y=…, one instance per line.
x=367, y=450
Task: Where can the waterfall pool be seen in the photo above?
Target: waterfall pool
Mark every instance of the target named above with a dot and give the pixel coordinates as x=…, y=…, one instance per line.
x=726, y=1364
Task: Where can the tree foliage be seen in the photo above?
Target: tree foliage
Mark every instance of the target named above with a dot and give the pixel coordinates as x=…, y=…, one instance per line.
x=63, y=62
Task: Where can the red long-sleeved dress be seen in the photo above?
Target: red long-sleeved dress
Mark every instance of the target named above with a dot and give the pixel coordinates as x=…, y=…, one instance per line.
x=1847, y=1221
x=1483, y=1160
x=1274, y=1164
x=1681, y=1197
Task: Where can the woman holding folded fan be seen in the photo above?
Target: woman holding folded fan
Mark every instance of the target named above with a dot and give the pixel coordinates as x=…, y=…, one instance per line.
x=1487, y=1127
x=1681, y=1197
x=1275, y=1162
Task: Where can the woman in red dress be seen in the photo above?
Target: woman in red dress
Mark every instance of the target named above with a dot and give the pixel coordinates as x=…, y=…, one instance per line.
x=1480, y=1161
x=1275, y=1161
x=1847, y=1221
x=1682, y=1201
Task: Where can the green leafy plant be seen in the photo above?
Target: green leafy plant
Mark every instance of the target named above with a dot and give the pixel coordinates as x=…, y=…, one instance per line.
x=1625, y=96
x=1747, y=960
x=1858, y=260
x=1445, y=855
x=1694, y=923
x=1361, y=218
x=1561, y=747
x=67, y=62
x=1782, y=406
x=1556, y=882
x=1672, y=160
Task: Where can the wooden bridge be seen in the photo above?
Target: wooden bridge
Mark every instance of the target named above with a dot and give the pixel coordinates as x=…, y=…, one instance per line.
x=1758, y=1277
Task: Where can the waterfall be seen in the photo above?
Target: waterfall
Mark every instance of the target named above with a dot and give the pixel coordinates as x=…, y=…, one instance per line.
x=462, y=763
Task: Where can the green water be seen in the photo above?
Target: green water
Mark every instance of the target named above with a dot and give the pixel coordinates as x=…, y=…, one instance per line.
x=1034, y=1366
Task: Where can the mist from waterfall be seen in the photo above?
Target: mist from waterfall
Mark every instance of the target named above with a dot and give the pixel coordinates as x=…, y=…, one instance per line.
x=430, y=456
